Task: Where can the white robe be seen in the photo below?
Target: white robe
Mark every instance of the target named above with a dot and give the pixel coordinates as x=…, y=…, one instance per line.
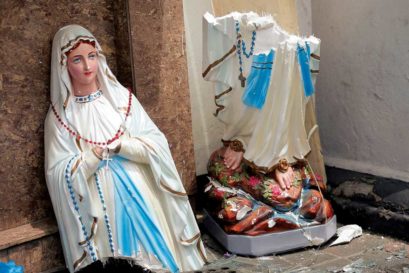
x=276, y=131
x=148, y=164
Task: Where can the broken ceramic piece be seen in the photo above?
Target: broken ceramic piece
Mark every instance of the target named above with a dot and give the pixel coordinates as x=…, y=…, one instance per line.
x=346, y=234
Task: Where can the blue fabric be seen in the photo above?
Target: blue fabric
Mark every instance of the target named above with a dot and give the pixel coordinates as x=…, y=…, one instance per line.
x=11, y=267
x=258, y=80
x=133, y=221
x=304, y=61
x=125, y=233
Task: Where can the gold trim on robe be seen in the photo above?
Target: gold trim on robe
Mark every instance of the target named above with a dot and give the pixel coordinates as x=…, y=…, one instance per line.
x=77, y=163
x=71, y=42
x=94, y=225
x=78, y=142
x=199, y=248
x=171, y=190
x=315, y=56
x=191, y=240
x=219, y=106
x=79, y=261
x=215, y=63
x=223, y=93
x=66, y=101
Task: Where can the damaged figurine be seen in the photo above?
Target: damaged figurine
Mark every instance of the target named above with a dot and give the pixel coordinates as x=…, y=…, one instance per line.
x=263, y=77
x=113, y=184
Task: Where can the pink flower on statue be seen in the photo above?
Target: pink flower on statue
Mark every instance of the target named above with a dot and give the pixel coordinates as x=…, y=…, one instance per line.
x=254, y=181
x=318, y=177
x=275, y=190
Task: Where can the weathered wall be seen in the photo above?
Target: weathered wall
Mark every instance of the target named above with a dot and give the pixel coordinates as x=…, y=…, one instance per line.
x=122, y=43
x=38, y=255
x=160, y=72
x=304, y=17
x=363, y=85
x=26, y=30
x=26, y=33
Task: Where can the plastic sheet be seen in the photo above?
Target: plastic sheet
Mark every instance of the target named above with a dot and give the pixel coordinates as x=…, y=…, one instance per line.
x=11, y=267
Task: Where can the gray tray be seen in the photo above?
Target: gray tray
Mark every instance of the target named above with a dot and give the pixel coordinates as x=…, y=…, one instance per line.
x=271, y=242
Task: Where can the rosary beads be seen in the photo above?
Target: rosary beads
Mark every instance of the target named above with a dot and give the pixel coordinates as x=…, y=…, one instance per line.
x=241, y=47
x=75, y=134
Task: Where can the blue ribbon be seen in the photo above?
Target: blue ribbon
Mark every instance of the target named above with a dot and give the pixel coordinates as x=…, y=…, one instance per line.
x=258, y=81
x=11, y=267
x=133, y=220
x=304, y=61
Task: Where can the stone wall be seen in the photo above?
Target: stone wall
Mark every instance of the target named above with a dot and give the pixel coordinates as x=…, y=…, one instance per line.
x=26, y=32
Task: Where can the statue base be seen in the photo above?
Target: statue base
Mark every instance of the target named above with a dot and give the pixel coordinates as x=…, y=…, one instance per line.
x=271, y=243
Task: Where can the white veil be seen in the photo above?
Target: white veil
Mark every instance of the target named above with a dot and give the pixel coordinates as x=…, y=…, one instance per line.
x=60, y=83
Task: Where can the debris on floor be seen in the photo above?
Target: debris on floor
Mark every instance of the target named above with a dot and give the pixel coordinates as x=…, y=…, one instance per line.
x=358, y=265
x=346, y=234
x=370, y=253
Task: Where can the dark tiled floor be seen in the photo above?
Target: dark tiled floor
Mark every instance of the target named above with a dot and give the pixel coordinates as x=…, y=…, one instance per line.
x=368, y=253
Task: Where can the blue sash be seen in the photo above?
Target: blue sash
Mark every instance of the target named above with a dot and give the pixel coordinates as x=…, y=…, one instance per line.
x=304, y=61
x=258, y=81
x=133, y=220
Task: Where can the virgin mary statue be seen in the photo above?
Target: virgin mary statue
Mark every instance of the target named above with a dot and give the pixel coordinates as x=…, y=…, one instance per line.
x=110, y=174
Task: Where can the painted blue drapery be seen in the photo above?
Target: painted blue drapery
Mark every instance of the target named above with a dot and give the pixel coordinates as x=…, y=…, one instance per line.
x=304, y=61
x=258, y=81
x=134, y=224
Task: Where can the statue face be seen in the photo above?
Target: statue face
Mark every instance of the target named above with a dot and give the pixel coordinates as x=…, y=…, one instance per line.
x=82, y=65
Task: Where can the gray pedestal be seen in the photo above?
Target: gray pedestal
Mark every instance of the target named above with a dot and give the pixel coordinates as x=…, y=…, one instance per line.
x=271, y=243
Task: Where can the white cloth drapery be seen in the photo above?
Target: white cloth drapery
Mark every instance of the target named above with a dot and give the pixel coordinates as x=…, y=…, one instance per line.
x=277, y=131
